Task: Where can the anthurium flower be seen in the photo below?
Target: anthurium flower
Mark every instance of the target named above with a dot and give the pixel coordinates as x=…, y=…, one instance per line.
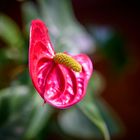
x=60, y=78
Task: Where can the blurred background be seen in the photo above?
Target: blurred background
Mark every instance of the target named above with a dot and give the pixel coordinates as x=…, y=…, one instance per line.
x=107, y=31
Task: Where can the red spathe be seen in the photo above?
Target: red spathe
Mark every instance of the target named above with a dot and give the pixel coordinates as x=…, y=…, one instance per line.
x=56, y=84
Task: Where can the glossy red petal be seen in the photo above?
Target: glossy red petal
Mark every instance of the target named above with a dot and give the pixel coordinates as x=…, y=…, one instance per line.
x=40, y=54
x=39, y=33
x=64, y=87
x=57, y=84
x=84, y=76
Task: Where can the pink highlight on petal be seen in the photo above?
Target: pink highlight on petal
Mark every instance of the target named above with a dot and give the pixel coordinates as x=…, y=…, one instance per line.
x=57, y=85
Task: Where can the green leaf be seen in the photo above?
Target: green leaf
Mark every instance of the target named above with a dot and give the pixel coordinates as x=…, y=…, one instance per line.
x=96, y=84
x=39, y=118
x=67, y=34
x=14, y=100
x=4, y=113
x=112, y=120
x=23, y=111
x=11, y=35
x=74, y=123
x=30, y=12
x=10, y=32
x=89, y=107
x=99, y=112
